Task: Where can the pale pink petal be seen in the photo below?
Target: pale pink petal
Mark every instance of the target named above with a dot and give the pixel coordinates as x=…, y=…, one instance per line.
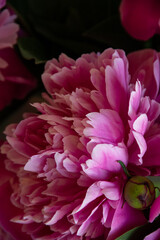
x=140, y=124
x=37, y=162
x=141, y=144
x=111, y=190
x=105, y=157
x=106, y=125
x=134, y=100
x=8, y=29
x=106, y=208
x=94, y=172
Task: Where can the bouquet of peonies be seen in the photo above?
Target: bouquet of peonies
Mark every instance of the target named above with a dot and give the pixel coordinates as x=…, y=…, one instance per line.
x=82, y=162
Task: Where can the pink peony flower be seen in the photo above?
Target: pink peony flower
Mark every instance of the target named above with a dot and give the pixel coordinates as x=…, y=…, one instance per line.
x=2, y=3
x=8, y=34
x=8, y=29
x=14, y=76
x=141, y=18
x=65, y=179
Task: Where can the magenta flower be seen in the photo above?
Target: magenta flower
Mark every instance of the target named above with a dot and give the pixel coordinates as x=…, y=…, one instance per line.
x=141, y=18
x=14, y=76
x=8, y=33
x=65, y=179
x=8, y=29
x=2, y=3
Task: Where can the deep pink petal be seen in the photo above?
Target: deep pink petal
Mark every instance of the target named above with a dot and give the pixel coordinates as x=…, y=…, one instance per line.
x=144, y=65
x=124, y=219
x=116, y=85
x=140, y=17
x=5, y=216
x=93, y=192
x=155, y=209
x=151, y=157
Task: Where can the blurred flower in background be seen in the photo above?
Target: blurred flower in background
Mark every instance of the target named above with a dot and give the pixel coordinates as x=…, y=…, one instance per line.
x=15, y=79
x=141, y=18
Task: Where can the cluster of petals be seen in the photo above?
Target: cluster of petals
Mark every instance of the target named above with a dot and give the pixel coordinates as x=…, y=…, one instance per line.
x=8, y=33
x=65, y=181
x=14, y=76
x=141, y=18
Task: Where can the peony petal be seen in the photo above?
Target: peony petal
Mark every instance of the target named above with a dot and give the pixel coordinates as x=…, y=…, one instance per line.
x=140, y=124
x=141, y=144
x=116, y=85
x=124, y=219
x=153, y=236
x=144, y=25
x=93, y=192
x=111, y=190
x=151, y=157
x=37, y=162
x=134, y=100
x=106, y=155
x=5, y=216
x=155, y=209
x=106, y=125
x=144, y=66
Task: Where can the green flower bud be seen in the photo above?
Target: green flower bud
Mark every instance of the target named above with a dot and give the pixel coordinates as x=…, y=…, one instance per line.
x=139, y=192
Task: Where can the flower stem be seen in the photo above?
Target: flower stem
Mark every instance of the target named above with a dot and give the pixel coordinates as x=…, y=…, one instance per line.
x=124, y=168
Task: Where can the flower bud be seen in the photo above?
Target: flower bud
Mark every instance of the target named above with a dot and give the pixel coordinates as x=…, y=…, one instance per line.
x=139, y=192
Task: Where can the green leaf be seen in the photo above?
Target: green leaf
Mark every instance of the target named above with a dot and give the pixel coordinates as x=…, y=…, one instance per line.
x=156, y=182
x=31, y=48
x=110, y=32
x=61, y=23
x=129, y=234
x=140, y=232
